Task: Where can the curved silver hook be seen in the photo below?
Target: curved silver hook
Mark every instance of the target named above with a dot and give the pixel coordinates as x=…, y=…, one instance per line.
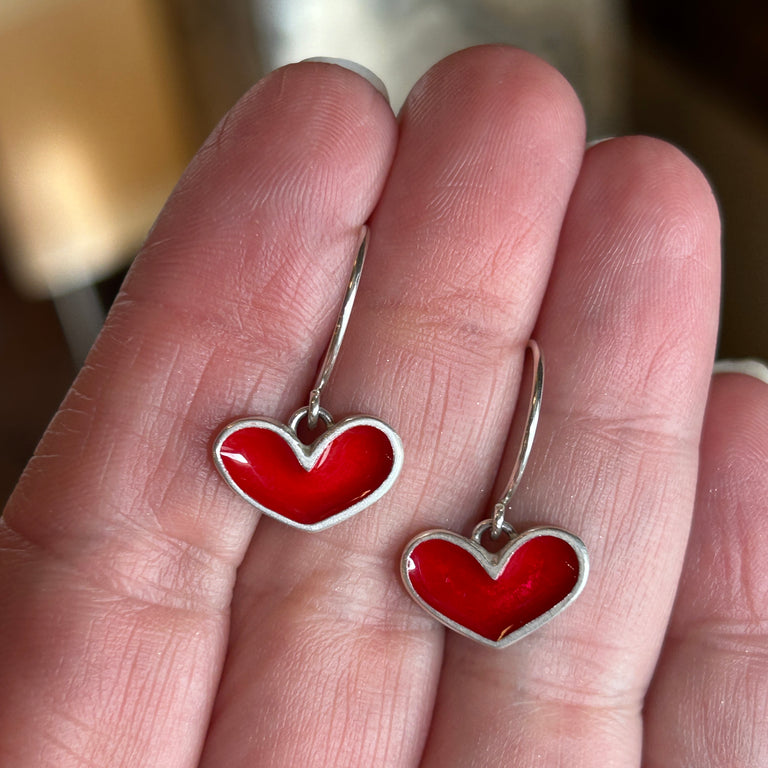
x=334, y=345
x=532, y=421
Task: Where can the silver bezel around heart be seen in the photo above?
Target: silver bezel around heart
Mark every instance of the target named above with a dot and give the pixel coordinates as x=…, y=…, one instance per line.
x=494, y=563
x=307, y=456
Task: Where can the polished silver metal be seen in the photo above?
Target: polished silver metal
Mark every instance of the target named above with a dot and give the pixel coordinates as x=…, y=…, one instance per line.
x=313, y=413
x=308, y=455
x=494, y=563
x=526, y=444
x=297, y=416
x=334, y=345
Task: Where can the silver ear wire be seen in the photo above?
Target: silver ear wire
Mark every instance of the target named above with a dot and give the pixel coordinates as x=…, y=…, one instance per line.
x=334, y=345
x=532, y=421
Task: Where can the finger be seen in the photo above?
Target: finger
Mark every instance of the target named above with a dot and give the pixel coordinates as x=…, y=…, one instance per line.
x=627, y=329
x=119, y=548
x=708, y=705
x=330, y=664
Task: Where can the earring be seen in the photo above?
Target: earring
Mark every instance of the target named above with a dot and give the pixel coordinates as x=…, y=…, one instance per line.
x=497, y=597
x=348, y=467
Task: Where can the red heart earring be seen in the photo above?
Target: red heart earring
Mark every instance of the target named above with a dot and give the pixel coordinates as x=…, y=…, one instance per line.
x=498, y=597
x=352, y=464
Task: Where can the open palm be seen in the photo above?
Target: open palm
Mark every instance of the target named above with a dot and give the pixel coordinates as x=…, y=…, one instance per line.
x=150, y=618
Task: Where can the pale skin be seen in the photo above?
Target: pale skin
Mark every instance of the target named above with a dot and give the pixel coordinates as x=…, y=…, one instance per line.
x=151, y=618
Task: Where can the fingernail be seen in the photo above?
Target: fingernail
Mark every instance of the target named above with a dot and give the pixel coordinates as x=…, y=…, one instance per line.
x=748, y=366
x=358, y=69
x=595, y=142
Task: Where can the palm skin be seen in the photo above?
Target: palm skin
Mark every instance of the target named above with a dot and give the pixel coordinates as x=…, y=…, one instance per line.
x=151, y=619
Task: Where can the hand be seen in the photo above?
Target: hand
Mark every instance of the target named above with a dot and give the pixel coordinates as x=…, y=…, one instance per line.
x=151, y=619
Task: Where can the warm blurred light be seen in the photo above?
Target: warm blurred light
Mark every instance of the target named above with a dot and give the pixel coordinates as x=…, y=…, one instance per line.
x=61, y=221
x=91, y=137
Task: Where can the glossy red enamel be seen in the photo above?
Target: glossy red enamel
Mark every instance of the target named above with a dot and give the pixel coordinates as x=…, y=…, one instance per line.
x=264, y=466
x=539, y=574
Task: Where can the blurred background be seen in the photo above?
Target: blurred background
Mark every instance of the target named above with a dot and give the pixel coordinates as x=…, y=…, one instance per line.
x=103, y=103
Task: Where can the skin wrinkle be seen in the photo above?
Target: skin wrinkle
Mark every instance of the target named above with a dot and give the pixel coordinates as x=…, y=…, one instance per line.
x=643, y=377
x=174, y=575
x=314, y=277
x=83, y=419
x=159, y=470
x=385, y=741
x=441, y=421
x=376, y=717
x=502, y=388
x=724, y=564
x=585, y=675
x=97, y=567
x=386, y=715
x=396, y=715
x=206, y=324
x=216, y=143
x=346, y=648
x=160, y=719
x=303, y=741
x=654, y=297
x=610, y=464
x=165, y=717
x=607, y=715
x=487, y=229
x=649, y=197
x=626, y=417
x=472, y=335
x=728, y=716
x=442, y=457
x=728, y=584
x=128, y=672
x=51, y=754
x=741, y=640
x=669, y=545
x=753, y=601
x=172, y=484
x=459, y=193
x=626, y=259
x=375, y=600
x=95, y=735
x=532, y=718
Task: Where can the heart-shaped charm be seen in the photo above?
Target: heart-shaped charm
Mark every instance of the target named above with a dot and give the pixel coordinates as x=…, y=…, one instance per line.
x=499, y=597
x=347, y=468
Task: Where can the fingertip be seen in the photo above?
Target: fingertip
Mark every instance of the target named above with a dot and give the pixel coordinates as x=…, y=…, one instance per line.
x=753, y=367
x=667, y=221
x=336, y=110
x=663, y=178
x=508, y=78
x=352, y=66
x=737, y=412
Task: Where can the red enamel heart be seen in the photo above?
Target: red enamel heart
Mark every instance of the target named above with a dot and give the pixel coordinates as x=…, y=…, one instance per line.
x=351, y=465
x=495, y=598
